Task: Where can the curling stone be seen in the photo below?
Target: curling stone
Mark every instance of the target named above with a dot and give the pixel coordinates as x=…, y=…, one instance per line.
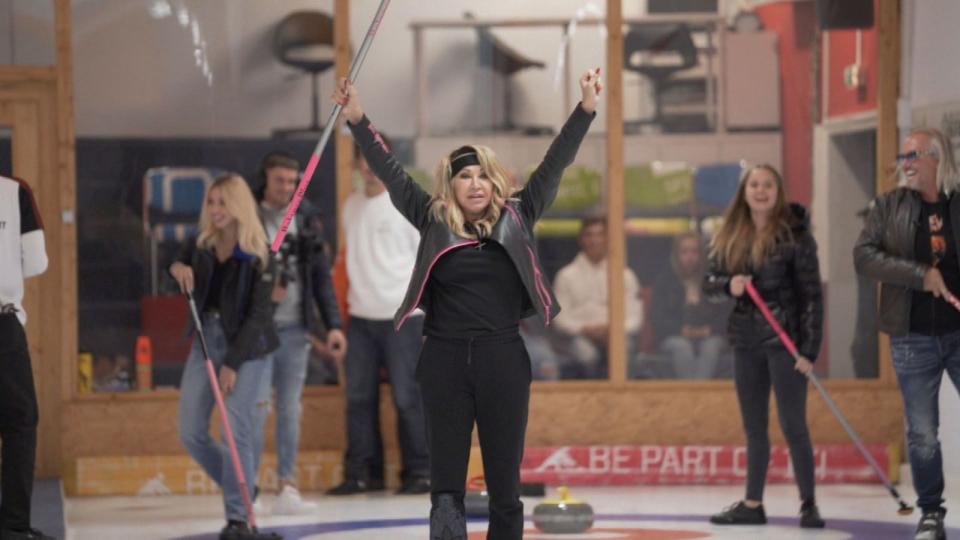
x=565, y=515
x=476, y=502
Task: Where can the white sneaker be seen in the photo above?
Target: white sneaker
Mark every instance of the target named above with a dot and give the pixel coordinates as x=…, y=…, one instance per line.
x=259, y=508
x=290, y=503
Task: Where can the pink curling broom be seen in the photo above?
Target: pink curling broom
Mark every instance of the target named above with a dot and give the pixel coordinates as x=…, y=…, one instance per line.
x=225, y=420
x=327, y=130
x=904, y=509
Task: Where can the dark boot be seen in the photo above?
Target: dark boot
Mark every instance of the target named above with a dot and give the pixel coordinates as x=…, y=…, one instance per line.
x=810, y=516
x=447, y=521
x=349, y=486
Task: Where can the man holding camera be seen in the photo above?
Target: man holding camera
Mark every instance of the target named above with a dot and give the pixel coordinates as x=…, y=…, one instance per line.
x=303, y=289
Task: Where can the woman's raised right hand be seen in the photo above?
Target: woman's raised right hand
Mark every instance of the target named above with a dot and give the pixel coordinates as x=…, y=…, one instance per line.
x=183, y=274
x=345, y=95
x=738, y=284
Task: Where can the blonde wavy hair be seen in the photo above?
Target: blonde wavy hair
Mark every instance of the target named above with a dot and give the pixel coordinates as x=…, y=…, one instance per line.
x=239, y=202
x=445, y=207
x=738, y=246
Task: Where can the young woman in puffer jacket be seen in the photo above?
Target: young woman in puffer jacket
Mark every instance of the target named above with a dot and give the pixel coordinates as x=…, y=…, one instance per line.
x=767, y=242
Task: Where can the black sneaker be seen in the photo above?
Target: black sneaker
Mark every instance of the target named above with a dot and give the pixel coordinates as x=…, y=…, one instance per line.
x=29, y=534
x=415, y=486
x=810, y=516
x=376, y=484
x=239, y=530
x=350, y=486
x=235, y=530
x=447, y=521
x=931, y=526
x=740, y=514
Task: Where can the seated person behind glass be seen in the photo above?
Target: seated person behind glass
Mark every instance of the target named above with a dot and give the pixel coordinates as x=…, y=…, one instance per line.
x=111, y=375
x=687, y=328
x=581, y=290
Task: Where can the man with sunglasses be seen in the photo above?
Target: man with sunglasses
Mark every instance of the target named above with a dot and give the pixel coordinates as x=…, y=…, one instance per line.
x=909, y=244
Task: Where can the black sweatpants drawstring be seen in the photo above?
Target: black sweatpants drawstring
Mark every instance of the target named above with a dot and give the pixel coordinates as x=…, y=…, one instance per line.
x=469, y=350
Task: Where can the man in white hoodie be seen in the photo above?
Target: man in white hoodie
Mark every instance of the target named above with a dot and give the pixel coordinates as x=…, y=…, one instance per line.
x=381, y=248
x=581, y=290
x=22, y=255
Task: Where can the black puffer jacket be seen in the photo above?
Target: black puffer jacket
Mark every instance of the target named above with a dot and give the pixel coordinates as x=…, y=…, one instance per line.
x=789, y=282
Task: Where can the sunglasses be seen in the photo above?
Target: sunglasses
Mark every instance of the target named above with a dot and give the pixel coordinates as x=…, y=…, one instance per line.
x=914, y=155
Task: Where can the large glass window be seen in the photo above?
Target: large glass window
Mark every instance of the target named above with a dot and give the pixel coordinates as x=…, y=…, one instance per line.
x=28, y=33
x=171, y=94
x=732, y=90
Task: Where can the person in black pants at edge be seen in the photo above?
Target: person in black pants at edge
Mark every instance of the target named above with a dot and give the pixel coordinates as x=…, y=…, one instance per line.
x=767, y=242
x=477, y=275
x=22, y=255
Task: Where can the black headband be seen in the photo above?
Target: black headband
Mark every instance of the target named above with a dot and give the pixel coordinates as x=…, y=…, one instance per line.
x=463, y=160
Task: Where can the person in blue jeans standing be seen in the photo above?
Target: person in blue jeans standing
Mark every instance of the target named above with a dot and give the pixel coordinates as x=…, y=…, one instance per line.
x=306, y=303
x=231, y=276
x=908, y=243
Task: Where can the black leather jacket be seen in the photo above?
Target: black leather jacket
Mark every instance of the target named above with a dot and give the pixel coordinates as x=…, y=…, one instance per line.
x=246, y=311
x=789, y=282
x=885, y=252
x=514, y=230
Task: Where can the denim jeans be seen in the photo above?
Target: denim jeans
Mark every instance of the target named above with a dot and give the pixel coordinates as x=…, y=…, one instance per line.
x=246, y=408
x=920, y=361
x=694, y=358
x=289, y=374
x=372, y=345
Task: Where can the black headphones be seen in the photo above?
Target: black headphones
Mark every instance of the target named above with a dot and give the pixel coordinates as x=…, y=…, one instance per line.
x=273, y=159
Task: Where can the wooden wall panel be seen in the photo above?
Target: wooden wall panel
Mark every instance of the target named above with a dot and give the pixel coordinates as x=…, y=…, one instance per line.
x=580, y=414
x=611, y=101
x=66, y=174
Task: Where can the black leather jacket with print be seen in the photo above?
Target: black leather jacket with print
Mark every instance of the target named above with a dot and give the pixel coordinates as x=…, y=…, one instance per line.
x=514, y=229
x=789, y=283
x=885, y=252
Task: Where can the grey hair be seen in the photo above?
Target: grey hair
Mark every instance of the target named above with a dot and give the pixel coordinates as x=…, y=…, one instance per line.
x=948, y=178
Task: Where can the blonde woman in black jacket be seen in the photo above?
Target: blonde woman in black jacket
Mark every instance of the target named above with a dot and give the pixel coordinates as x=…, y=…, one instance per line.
x=477, y=275
x=231, y=277
x=766, y=241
